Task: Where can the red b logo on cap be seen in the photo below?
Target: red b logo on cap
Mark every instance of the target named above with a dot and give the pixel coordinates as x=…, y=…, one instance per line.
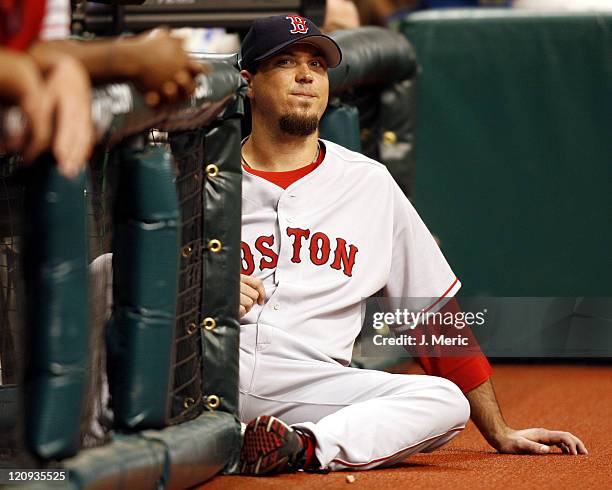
x=298, y=23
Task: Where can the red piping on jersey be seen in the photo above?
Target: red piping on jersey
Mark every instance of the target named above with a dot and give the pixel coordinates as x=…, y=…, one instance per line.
x=443, y=296
x=355, y=465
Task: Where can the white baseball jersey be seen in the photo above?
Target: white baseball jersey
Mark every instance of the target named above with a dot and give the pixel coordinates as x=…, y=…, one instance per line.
x=337, y=235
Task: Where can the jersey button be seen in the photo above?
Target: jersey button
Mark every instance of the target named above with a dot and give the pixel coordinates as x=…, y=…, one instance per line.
x=276, y=306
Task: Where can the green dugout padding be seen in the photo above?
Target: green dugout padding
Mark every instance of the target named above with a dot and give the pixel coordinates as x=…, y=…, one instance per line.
x=57, y=329
x=145, y=266
x=514, y=149
x=340, y=124
x=221, y=209
x=8, y=407
x=177, y=457
x=513, y=169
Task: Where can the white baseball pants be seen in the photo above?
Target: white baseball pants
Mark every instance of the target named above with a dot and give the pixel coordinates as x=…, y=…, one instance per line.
x=361, y=419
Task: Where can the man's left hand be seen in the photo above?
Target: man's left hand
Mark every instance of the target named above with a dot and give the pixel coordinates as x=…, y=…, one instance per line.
x=538, y=441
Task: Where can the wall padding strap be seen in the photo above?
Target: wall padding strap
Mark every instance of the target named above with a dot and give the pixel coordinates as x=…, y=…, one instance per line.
x=145, y=266
x=221, y=260
x=56, y=282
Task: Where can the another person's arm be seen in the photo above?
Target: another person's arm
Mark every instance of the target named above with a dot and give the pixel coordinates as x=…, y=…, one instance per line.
x=56, y=100
x=154, y=61
x=53, y=91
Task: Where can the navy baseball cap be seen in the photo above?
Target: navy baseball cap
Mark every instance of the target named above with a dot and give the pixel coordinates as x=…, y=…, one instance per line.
x=269, y=35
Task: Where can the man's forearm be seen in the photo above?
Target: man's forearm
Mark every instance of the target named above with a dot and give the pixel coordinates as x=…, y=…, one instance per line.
x=105, y=61
x=486, y=413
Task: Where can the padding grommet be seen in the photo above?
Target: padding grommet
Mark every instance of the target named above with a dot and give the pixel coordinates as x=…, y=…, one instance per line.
x=389, y=138
x=213, y=401
x=186, y=251
x=188, y=402
x=192, y=327
x=215, y=245
x=212, y=170
x=208, y=323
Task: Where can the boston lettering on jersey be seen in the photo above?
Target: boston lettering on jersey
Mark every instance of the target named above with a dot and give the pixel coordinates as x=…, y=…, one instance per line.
x=319, y=245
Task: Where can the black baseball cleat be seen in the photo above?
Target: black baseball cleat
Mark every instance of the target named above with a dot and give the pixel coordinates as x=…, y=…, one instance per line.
x=269, y=447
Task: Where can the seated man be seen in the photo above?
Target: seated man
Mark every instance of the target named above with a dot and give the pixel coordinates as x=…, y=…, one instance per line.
x=324, y=227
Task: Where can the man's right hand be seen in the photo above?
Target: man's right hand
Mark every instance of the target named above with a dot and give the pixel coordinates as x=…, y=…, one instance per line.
x=163, y=70
x=251, y=292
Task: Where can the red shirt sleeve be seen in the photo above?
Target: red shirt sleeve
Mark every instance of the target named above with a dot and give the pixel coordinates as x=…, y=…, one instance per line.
x=465, y=372
x=20, y=22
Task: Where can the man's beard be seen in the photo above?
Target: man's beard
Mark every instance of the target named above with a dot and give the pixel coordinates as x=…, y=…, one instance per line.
x=298, y=125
